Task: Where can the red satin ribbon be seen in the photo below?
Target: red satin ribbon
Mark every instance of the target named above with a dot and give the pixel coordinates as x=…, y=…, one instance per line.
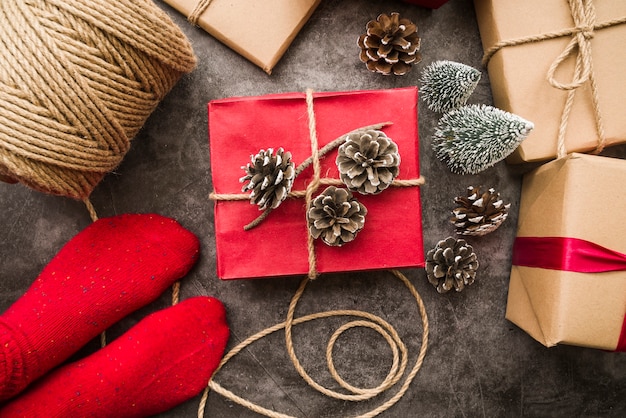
x=569, y=254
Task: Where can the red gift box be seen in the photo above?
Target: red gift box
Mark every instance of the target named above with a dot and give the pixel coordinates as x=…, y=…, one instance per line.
x=431, y=4
x=240, y=127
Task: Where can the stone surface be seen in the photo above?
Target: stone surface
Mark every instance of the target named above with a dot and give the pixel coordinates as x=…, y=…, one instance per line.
x=477, y=363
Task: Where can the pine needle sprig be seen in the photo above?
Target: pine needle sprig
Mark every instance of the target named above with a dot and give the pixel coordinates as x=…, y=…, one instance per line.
x=473, y=138
x=447, y=85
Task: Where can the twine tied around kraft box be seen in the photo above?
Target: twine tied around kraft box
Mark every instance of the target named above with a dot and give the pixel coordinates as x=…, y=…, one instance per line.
x=237, y=24
x=566, y=79
x=296, y=123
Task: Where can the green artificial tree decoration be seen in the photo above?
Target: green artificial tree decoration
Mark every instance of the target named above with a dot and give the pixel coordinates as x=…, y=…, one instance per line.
x=473, y=138
x=447, y=85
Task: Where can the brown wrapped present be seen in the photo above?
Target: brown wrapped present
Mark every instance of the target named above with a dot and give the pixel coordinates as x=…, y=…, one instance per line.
x=261, y=31
x=547, y=56
x=568, y=280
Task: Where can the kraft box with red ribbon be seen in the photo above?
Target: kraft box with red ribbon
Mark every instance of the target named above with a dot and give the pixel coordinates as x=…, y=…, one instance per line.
x=560, y=64
x=568, y=280
x=303, y=124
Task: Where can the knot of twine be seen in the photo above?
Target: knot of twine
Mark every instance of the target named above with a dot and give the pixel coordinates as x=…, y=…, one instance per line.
x=365, y=319
x=585, y=25
x=316, y=180
x=77, y=81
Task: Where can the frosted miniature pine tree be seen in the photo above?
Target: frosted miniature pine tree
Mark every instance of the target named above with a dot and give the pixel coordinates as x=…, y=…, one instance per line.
x=475, y=137
x=446, y=85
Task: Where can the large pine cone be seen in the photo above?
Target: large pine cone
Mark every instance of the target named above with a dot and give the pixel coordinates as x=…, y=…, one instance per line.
x=479, y=213
x=270, y=177
x=390, y=45
x=335, y=216
x=452, y=264
x=368, y=161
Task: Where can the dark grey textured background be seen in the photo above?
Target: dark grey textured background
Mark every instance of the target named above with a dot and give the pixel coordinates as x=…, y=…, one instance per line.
x=478, y=364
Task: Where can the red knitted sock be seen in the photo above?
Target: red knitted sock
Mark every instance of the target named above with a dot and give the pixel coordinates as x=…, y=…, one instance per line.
x=113, y=267
x=164, y=360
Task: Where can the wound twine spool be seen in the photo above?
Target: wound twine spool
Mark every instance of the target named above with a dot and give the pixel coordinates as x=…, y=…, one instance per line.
x=77, y=81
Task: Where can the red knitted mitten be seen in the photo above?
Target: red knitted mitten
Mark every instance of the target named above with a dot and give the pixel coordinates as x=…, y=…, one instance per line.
x=113, y=267
x=164, y=360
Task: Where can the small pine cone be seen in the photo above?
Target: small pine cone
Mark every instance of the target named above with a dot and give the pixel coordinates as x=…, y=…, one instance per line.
x=368, y=161
x=336, y=216
x=451, y=264
x=270, y=177
x=390, y=45
x=479, y=213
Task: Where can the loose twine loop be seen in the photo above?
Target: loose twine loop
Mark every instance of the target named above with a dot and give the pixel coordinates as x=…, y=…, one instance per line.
x=77, y=81
x=316, y=180
x=585, y=24
x=367, y=320
x=386, y=330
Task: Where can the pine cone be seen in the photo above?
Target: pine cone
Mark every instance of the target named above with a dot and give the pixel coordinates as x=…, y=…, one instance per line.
x=390, y=45
x=479, y=213
x=368, y=161
x=336, y=216
x=451, y=264
x=270, y=177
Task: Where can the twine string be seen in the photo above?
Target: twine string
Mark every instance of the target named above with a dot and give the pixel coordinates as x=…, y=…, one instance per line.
x=585, y=26
x=397, y=371
x=94, y=217
x=324, y=181
x=197, y=11
x=314, y=184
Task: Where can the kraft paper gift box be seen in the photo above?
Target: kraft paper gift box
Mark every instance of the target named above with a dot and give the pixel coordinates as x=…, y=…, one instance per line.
x=519, y=74
x=239, y=127
x=259, y=30
x=568, y=280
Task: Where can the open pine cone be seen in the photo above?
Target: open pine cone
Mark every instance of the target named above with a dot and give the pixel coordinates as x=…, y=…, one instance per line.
x=368, y=161
x=335, y=216
x=479, y=213
x=270, y=177
x=452, y=264
x=390, y=45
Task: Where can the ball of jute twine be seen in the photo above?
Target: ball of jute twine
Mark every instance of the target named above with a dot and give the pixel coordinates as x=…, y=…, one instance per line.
x=78, y=79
